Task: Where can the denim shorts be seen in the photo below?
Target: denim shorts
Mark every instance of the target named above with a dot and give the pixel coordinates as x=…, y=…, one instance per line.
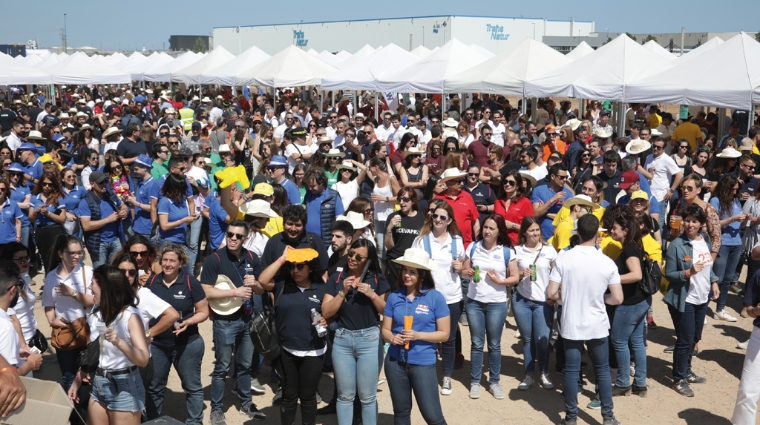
x=123, y=393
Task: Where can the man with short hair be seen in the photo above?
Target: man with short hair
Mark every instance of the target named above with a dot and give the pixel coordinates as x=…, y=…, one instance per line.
x=530, y=133
x=548, y=199
x=584, y=321
x=7, y=117
x=481, y=193
x=385, y=128
x=528, y=161
x=733, y=133
x=100, y=213
x=663, y=174
x=342, y=237
x=689, y=131
x=498, y=128
x=14, y=138
x=603, y=124
x=140, y=198
x=160, y=156
x=393, y=137
x=131, y=146
x=572, y=151
x=610, y=174
x=295, y=235
x=322, y=204
x=478, y=152
x=290, y=123
x=278, y=172
x=745, y=173
x=666, y=127
x=192, y=141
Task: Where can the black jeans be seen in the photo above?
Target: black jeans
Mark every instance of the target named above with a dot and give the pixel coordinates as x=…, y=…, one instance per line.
x=45, y=237
x=300, y=382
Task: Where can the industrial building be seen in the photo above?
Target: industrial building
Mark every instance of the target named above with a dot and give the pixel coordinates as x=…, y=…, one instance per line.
x=670, y=41
x=493, y=33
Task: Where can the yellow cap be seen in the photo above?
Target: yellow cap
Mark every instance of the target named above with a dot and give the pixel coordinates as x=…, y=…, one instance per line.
x=639, y=194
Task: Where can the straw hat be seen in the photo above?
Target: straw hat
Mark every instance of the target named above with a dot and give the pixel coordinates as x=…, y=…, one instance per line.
x=450, y=122
x=34, y=135
x=602, y=133
x=225, y=306
x=412, y=151
x=418, y=259
x=346, y=165
x=728, y=152
x=356, y=219
x=529, y=178
x=86, y=127
x=258, y=208
x=636, y=147
x=747, y=144
x=323, y=140
x=335, y=153
x=224, y=148
x=64, y=115
x=655, y=132
x=452, y=173
x=574, y=123
x=584, y=200
x=110, y=131
x=206, y=99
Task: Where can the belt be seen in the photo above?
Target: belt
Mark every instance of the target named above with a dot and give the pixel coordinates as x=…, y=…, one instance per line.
x=109, y=374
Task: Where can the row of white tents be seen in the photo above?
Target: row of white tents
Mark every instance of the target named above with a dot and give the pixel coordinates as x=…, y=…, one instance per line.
x=722, y=74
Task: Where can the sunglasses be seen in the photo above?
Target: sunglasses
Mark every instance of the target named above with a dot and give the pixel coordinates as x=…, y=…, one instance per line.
x=687, y=188
x=129, y=272
x=510, y=182
x=354, y=255
x=163, y=133
x=405, y=199
x=237, y=236
x=439, y=217
x=56, y=132
x=369, y=211
x=586, y=155
x=138, y=253
x=300, y=267
x=47, y=184
x=658, y=148
x=562, y=177
x=22, y=260
x=173, y=143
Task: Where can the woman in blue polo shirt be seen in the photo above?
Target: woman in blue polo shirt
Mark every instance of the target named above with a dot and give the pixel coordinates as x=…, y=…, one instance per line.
x=49, y=213
x=10, y=216
x=21, y=195
x=173, y=216
x=297, y=293
x=410, y=363
x=74, y=194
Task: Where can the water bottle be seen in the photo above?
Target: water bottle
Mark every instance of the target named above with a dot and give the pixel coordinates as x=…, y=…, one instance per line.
x=315, y=319
x=247, y=304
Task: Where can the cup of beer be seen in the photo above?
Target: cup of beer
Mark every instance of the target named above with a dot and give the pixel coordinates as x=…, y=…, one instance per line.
x=408, y=320
x=676, y=223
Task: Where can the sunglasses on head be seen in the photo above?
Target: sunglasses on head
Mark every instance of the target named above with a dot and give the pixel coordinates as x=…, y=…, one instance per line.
x=354, y=255
x=300, y=266
x=233, y=235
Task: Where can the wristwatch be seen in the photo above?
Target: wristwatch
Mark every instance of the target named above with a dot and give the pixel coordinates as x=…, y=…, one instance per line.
x=74, y=294
x=514, y=226
x=147, y=334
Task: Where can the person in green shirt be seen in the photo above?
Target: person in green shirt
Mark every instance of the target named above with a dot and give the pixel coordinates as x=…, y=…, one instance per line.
x=160, y=155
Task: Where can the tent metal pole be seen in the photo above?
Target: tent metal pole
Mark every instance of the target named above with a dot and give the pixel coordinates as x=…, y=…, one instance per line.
x=376, y=112
x=356, y=93
x=581, y=108
x=621, y=122
x=443, y=104
x=524, y=107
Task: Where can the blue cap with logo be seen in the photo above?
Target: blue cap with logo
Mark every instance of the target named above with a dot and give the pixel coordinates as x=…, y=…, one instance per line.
x=145, y=161
x=278, y=161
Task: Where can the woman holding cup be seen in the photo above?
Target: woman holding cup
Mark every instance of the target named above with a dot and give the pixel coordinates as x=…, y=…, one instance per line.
x=690, y=187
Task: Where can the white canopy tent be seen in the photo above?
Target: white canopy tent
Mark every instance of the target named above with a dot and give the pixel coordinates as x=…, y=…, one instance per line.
x=115, y=58
x=507, y=72
x=360, y=54
x=313, y=52
x=710, y=44
x=135, y=57
x=291, y=67
x=192, y=74
x=49, y=61
x=30, y=60
x=343, y=55
x=421, y=52
x=705, y=80
x=655, y=47
x=162, y=73
x=602, y=74
x=580, y=51
x=363, y=74
x=17, y=72
x=81, y=69
x=427, y=75
x=225, y=74
x=155, y=59
x=483, y=52
x=329, y=58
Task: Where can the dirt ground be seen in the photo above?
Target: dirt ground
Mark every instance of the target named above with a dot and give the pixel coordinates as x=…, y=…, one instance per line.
x=719, y=361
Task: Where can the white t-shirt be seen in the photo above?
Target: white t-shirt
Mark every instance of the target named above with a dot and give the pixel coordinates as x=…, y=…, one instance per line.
x=498, y=134
x=447, y=282
x=665, y=168
x=466, y=140
x=256, y=243
x=111, y=357
x=538, y=173
x=382, y=132
x=535, y=291
x=584, y=315
x=299, y=149
x=486, y=291
x=9, y=348
x=150, y=306
x=111, y=145
x=348, y=192
x=699, y=284
x=67, y=307
x=24, y=312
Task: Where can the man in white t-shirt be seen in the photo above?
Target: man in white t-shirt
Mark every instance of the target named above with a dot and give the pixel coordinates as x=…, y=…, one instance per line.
x=584, y=317
x=10, y=287
x=498, y=128
x=384, y=129
x=290, y=122
x=663, y=174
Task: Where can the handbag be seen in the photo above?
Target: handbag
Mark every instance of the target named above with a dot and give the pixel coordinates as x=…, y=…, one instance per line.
x=651, y=276
x=39, y=341
x=89, y=358
x=74, y=336
x=263, y=331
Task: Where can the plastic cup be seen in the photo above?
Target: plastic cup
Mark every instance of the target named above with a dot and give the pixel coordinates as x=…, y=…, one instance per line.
x=408, y=320
x=676, y=224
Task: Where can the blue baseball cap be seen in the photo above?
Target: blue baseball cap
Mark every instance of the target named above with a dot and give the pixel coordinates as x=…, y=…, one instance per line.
x=15, y=168
x=144, y=161
x=140, y=99
x=26, y=147
x=278, y=161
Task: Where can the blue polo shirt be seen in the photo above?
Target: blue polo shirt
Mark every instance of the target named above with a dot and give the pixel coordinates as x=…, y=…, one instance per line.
x=543, y=194
x=73, y=197
x=9, y=213
x=43, y=220
x=314, y=210
x=142, y=223
x=18, y=195
x=216, y=224
x=109, y=232
x=34, y=170
x=294, y=195
x=426, y=308
x=156, y=193
x=175, y=211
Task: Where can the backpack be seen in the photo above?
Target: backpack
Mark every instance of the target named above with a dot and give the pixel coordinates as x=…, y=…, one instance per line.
x=505, y=248
x=651, y=277
x=426, y=242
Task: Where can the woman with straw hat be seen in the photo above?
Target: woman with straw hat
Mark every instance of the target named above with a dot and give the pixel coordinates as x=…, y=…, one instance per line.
x=257, y=214
x=416, y=319
x=348, y=181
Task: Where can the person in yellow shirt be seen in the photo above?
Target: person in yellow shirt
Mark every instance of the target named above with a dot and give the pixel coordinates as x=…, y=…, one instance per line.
x=592, y=187
x=654, y=120
x=579, y=205
x=265, y=191
x=689, y=131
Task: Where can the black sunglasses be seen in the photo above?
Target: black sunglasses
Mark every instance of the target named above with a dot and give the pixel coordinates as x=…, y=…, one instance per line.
x=300, y=267
x=237, y=236
x=129, y=272
x=354, y=255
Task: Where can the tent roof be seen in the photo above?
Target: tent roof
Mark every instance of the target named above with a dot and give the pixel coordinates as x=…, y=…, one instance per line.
x=705, y=80
x=16, y=72
x=483, y=52
x=343, y=55
x=507, y=72
x=155, y=59
x=48, y=61
x=81, y=69
x=116, y=57
x=362, y=74
x=225, y=73
x=290, y=67
x=329, y=58
x=162, y=72
x=135, y=57
x=313, y=52
x=360, y=54
x=580, y=51
x=192, y=74
x=710, y=44
x=602, y=74
x=655, y=47
x=421, y=51
x=427, y=75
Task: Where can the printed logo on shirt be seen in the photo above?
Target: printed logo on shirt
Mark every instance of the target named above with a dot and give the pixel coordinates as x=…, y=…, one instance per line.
x=407, y=231
x=314, y=299
x=497, y=257
x=422, y=309
x=179, y=296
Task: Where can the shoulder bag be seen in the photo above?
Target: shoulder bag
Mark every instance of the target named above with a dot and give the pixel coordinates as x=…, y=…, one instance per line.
x=74, y=336
x=263, y=330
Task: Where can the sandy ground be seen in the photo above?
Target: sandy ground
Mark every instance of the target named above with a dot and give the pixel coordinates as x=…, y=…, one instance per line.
x=719, y=361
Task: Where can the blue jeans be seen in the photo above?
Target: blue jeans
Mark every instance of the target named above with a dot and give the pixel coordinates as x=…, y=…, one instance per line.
x=534, y=320
x=105, y=253
x=25, y=236
x=688, y=326
x=380, y=238
x=187, y=361
x=231, y=335
x=486, y=321
x=725, y=269
x=403, y=378
x=448, y=348
x=598, y=350
x=68, y=361
x=663, y=212
x=193, y=235
x=356, y=366
x=628, y=328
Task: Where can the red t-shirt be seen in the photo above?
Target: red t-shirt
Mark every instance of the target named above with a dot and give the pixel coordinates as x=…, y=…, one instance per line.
x=518, y=209
x=479, y=152
x=465, y=213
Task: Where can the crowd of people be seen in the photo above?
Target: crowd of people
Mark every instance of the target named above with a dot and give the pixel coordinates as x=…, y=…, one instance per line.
x=149, y=211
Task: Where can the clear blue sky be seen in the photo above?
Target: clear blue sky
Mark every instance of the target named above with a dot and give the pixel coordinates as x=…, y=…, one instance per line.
x=112, y=25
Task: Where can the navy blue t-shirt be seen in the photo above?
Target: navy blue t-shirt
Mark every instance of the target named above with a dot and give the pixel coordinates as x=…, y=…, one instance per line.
x=358, y=312
x=293, y=315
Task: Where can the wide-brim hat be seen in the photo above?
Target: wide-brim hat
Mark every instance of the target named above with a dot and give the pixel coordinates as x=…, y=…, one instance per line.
x=258, y=208
x=602, y=133
x=529, y=178
x=450, y=122
x=86, y=127
x=205, y=99
x=655, y=132
x=224, y=148
x=729, y=152
x=747, y=144
x=346, y=165
x=636, y=147
x=356, y=219
x=452, y=173
x=584, y=200
x=34, y=135
x=335, y=153
x=64, y=115
x=225, y=306
x=15, y=168
x=278, y=161
x=412, y=151
x=110, y=131
x=418, y=259
x=82, y=114
x=323, y=140
x=574, y=123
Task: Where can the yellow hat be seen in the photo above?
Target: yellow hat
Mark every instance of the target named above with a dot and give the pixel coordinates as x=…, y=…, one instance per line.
x=265, y=189
x=301, y=255
x=639, y=194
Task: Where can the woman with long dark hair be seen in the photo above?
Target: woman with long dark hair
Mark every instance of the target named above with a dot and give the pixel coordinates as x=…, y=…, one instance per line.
x=118, y=393
x=24, y=308
x=173, y=216
x=408, y=140
x=403, y=227
x=486, y=304
x=434, y=157
x=726, y=201
x=582, y=169
x=20, y=194
x=118, y=177
x=355, y=300
x=49, y=213
x=145, y=254
x=512, y=203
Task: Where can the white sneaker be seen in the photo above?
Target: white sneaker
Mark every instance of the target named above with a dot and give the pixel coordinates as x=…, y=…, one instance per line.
x=743, y=345
x=475, y=391
x=446, y=386
x=633, y=369
x=722, y=315
x=526, y=383
x=517, y=333
x=545, y=382
x=705, y=320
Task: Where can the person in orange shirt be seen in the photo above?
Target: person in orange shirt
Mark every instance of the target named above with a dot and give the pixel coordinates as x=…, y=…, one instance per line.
x=552, y=143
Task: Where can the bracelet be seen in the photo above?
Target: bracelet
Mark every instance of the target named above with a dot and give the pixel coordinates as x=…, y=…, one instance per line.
x=6, y=369
x=373, y=297
x=234, y=293
x=281, y=261
x=34, y=364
